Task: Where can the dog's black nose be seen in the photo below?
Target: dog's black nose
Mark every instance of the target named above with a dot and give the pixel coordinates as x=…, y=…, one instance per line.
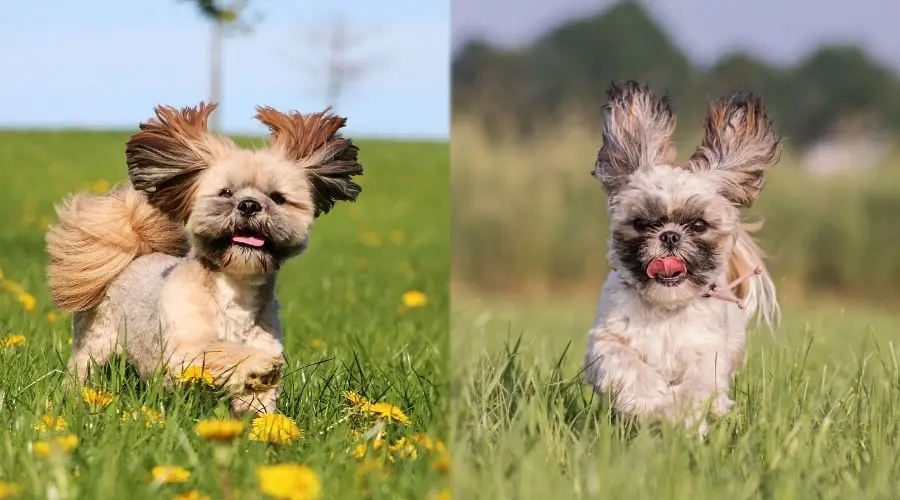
x=249, y=207
x=669, y=238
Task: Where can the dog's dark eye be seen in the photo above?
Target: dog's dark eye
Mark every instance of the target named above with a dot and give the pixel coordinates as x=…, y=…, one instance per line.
x=225, y=193
x=641, y=225
x=699, y=226
x=278, y=198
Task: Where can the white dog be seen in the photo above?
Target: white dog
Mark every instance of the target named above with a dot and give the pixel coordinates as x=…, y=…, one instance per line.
x=662, y=347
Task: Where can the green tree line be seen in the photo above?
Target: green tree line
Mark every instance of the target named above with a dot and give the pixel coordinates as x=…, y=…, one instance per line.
x=568, y=69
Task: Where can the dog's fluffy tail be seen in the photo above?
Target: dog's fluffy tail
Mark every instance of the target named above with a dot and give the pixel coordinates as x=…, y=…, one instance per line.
x=97, y=237
x=757, y=293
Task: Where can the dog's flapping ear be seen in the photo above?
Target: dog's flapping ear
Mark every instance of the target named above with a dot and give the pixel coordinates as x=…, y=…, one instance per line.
x=637, y=133
x=315, y=143
x=739, y=144
x=169, y=152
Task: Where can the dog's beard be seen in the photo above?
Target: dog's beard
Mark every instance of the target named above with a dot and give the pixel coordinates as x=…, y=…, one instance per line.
x=667, y=275
x=247, y=248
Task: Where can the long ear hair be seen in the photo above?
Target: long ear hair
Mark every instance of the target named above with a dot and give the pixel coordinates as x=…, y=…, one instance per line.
x=739, y=145
x=315, y=143
x=167, y=155
x=637, y=133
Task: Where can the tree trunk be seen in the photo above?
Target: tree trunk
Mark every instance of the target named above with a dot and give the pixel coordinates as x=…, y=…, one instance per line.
x=215, y=73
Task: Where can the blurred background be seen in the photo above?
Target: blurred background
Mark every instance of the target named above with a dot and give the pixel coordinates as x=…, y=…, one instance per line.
x=528, y=84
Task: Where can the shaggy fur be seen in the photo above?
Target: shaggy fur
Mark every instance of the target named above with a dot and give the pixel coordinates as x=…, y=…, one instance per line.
x=178, y=267
x=663, y=346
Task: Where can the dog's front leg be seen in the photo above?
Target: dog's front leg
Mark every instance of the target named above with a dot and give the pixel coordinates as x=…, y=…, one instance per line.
x=613, y=367
x=255, y=403
x=236, y=368
x=706, y=384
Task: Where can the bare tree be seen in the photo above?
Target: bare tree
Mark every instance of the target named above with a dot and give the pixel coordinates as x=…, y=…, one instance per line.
x=341, y=62
x=226, y=19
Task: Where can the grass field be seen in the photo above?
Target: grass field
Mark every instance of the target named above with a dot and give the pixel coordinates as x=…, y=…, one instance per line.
x=346, y=330
x=815, y=415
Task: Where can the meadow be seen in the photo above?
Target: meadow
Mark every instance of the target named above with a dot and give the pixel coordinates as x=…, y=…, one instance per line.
x=815, y=414
x=365, y=314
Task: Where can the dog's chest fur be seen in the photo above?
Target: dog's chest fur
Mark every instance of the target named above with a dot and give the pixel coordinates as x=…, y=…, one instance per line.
x=669, y=340
x=242, y=309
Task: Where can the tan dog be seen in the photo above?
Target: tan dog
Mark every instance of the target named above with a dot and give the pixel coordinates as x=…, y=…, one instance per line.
x=178, y=268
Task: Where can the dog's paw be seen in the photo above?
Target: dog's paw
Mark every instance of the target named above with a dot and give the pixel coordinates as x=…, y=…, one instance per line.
x=263, y=380
x=721, y=406
x=254, y=372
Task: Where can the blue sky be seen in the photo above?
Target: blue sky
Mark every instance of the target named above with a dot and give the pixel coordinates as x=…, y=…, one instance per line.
x=106, y=63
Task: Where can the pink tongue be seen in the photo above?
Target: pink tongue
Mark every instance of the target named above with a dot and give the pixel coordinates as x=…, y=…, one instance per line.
x=248, y=240
x=667, y=267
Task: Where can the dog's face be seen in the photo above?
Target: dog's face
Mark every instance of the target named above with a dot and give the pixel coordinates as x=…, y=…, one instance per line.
x=671, y=233
x=245, y=211
x=252, y=211
x=673, y=227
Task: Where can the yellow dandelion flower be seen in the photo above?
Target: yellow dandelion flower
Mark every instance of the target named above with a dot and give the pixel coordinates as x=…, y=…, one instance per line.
x=96, y=398
x=369, y=238
x=13, y=340
x=414, y=298
x=355, y=399
x=8, y=490
x=403, y=448
x=49, y=422
x=63, y=444
x=191, y=495
x=27, y=300
x=289, y=481
x=13, y=287
x=441, y=463
x=69, y=341
x=152, y=417
x=443, y=495
x=378, y=441
x=169, y=474
x=424, y=440
x=317, y=343
x=389, y=412
x=100, y=186
x=359, y=451
x=52, y=317
x=219, y=430
x=196, y=374
x=274, y=428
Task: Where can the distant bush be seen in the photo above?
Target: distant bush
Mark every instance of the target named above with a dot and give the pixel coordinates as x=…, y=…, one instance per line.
x=529, y=219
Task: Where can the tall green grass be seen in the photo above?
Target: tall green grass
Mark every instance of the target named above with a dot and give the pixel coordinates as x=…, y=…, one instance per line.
x=815, y=415
x=345, y=328
x=528, y=219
